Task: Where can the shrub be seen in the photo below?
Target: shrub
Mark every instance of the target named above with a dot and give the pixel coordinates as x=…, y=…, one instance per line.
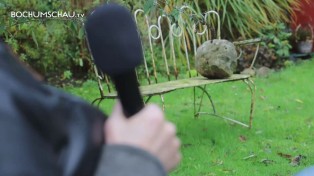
x=274, y=50
x=242, y=18
x=51, y=46
x=277, y=39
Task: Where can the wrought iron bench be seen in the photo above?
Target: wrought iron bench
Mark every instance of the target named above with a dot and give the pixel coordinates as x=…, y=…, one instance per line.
x=178, y=34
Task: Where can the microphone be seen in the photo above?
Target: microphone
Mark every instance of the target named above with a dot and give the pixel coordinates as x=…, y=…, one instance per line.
x=116, y=48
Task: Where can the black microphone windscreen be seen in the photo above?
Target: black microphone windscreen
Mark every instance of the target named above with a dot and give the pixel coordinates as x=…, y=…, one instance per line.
x=113, y=39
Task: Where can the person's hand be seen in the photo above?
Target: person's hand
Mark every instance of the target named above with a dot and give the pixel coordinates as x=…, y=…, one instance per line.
x=147, y=130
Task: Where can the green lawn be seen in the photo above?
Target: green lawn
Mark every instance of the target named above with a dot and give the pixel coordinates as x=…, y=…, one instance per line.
x=283, y=123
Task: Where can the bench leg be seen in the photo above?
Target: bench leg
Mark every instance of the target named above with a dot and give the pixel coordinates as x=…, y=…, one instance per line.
x=162, y=101
x=204, y=92
x=147, y=100
x=97, y=100
x=102, y=99
x=250, y=83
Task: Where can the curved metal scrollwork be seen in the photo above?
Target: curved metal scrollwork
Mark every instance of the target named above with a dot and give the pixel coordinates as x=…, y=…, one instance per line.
x=147, y=24
x=180, y=30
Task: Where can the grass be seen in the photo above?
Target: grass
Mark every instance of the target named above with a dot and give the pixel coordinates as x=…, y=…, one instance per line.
x=283, y=123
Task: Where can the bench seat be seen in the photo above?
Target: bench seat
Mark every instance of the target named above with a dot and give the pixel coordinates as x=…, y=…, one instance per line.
x=164, y=87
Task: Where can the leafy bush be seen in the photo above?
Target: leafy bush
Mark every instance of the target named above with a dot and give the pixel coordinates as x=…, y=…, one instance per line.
x=277, y=39
x=247, y=17
x=51, y=46
x=242, y=18
x=274, y=50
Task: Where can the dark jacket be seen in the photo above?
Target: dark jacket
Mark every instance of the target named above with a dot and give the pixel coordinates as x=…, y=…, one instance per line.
x=44, y=131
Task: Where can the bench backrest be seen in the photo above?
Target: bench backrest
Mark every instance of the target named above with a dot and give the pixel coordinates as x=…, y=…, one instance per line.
x=184, y=34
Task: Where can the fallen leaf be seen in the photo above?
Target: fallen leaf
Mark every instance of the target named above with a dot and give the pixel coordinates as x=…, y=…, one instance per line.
x=267, y=161
x=242, y=138
x=217, y=162
x=248, y=157
x=299, y=101
x=226, y=170
x=283, y=155
x=297, y=160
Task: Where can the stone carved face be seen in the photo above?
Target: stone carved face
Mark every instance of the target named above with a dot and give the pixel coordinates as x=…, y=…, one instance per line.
x=216, y=59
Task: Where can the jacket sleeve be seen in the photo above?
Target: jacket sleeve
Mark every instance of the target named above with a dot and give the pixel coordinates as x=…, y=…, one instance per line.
x=122, y=160
x=44, y=131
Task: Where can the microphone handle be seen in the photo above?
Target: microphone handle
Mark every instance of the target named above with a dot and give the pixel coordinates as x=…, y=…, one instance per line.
x=128, y=92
